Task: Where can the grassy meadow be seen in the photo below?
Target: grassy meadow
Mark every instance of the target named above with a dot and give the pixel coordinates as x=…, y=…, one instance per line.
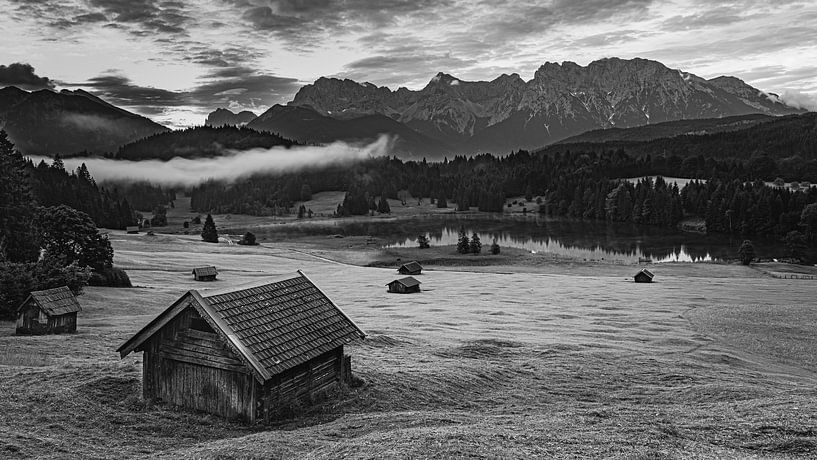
x=545, y=360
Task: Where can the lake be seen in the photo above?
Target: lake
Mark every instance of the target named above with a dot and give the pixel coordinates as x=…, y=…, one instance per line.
x=588, y=240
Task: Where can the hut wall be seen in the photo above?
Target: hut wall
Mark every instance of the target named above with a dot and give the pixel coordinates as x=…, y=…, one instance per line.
x=194, y=369
x=205, y=277
x=63, y=323
x=397, y=287
x=28, y=319
x=302, y=383
x=32, y=320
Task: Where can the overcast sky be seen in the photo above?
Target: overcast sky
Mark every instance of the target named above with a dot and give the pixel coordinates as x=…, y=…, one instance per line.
x=175, y=61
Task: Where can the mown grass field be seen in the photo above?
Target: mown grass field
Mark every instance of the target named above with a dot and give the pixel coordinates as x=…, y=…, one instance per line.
x=711, y=361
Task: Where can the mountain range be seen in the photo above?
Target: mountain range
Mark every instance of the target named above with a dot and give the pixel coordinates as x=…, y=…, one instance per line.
x=226, y=117
x=448, y=116
x=507, y=113
x=46, y=122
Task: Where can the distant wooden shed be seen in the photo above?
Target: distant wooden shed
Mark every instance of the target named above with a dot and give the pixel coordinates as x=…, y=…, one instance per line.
x=205, y=273
x=52, y=311
x=132, y=229
x=405, y=285
x=644, y=276
x=411, y=268
x=246, y=352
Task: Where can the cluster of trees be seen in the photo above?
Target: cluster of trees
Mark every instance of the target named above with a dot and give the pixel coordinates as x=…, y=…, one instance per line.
x=753, y=209
x=583, y=184
x=358, y=202
x=466, y=246
x=52, y=185
x=44, y=246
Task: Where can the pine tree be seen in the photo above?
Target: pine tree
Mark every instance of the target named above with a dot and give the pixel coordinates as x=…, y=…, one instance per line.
x=494, y=247
x=209, y=232
x=20, y=241
x=475, y=246
x=463, y=244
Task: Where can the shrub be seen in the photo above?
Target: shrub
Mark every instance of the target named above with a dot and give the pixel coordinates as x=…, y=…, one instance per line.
x=495, y=247
x=248, y=239
x=746, y=252
x=110, y=277
x=422, y=241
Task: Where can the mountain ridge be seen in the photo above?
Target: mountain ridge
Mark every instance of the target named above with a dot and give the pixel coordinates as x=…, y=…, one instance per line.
x=561, y=100
x=46, y=122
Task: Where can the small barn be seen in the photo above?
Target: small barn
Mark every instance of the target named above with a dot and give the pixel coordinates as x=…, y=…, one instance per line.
x=405, y=285
x=644, y=276
x=411, y=268
x=205, y=273
x=246, y=352
x=132, y=229
x=52, y=311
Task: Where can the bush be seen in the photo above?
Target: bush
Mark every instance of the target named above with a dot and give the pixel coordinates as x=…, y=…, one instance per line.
x=495, y=247
x=110, y=277
x=746, y=252
x=422, y=241
x=248, y=239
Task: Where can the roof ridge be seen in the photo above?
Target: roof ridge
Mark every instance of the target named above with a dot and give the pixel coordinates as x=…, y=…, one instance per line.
x=207, y=293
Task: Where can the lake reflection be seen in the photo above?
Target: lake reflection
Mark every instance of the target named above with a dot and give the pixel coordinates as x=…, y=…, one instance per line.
x=583, y=240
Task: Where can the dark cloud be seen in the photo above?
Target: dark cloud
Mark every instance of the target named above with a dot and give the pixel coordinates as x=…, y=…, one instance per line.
x=232, y=86
x=23, y=76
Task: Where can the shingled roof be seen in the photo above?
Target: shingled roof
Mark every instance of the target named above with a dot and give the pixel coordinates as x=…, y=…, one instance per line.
x=412, y=266
x=55, y=302
x=205, y=271
x=407, y=281
x=273, y=326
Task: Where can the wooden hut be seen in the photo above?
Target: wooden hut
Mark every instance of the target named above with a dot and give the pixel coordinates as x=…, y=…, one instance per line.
x=246, y=352
x=205, y=273
x=405, y=285
x=132, y=229
x=644, y=276
x=411, y=268
x=52, y=311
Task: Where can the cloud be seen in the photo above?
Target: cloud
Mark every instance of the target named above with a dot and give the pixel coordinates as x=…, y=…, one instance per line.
x=232, y=166
x=23, y=76
x=805, y=101
x=237, y=87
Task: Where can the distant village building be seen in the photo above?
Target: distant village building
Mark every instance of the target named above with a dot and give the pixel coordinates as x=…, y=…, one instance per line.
x=405, y=285
x=246, y=352
x=411, y=268
x=51, y=311
x=205, y=273
x=132, y=229
x=644, y=276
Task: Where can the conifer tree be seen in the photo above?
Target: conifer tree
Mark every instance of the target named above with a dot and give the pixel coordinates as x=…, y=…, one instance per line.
x=209, y=232
x=463, y=244
x=746, y=252
x=16, y=206
x=475, y=246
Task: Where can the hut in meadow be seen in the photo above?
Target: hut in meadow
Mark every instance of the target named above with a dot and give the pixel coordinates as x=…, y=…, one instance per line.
x=247, y=352
x=644, y=276
x=205, y=273
x=411, y=268
x=405, y=285
x=52, y=311
x=132, y=229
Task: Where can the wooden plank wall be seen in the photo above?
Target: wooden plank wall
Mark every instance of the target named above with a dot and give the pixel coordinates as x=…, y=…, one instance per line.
x=302, y=383
x=194, y=369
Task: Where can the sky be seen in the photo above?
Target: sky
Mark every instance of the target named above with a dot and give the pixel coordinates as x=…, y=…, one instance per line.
x=175, y=61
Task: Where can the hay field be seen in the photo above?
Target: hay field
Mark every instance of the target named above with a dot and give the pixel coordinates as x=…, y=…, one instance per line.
x=711, y=361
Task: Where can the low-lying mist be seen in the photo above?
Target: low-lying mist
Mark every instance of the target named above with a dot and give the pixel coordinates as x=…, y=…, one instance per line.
x=231, y=166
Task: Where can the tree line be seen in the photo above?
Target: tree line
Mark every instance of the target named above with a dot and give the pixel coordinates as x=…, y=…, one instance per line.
x=44, y=242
